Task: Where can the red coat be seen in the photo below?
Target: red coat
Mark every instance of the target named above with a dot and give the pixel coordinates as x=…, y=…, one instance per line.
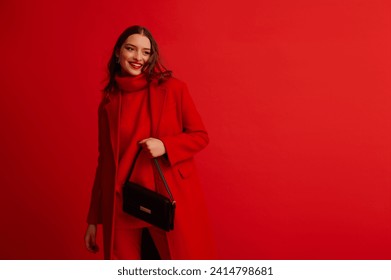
x=177, y=123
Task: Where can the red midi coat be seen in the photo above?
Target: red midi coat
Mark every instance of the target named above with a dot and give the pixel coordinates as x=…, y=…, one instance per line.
x=177, y=123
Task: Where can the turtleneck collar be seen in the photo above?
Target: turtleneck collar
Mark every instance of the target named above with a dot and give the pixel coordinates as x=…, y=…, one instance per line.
x=131, y=83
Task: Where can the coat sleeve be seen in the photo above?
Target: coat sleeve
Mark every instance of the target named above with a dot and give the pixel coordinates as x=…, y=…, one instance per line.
x=193, y=137
x=95, y=209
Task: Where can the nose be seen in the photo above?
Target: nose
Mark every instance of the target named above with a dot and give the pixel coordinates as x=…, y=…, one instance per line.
x=137, y=56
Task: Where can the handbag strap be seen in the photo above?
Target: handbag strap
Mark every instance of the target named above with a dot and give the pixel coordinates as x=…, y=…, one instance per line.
x=163, y=179
x=133, y=164
x=158, y=169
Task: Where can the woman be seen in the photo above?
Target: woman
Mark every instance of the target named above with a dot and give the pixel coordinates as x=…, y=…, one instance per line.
x=144, y=106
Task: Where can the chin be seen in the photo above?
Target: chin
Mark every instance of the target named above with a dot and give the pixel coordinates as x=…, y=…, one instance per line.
x=134, y=73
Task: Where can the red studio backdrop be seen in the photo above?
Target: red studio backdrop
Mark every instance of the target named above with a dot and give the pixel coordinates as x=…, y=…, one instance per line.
x=295, y=96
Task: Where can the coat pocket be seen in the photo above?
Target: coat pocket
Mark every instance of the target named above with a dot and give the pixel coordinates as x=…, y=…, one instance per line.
x=186, y=168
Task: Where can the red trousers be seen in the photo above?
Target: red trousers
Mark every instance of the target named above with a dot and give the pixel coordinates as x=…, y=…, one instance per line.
x=127, y=243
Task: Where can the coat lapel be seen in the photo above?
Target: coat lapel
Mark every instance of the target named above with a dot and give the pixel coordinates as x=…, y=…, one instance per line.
x=157, y=98
x=113, y=109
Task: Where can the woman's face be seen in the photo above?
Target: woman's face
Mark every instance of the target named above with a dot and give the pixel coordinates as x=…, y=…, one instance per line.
x=134, y=54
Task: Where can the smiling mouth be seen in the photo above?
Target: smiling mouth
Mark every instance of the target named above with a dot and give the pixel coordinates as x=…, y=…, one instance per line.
x=135, y=66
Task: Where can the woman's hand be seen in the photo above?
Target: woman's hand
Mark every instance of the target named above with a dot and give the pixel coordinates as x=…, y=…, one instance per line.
x=154, y=147
x=90, y=239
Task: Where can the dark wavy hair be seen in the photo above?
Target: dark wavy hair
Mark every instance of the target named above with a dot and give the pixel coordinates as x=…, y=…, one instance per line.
x=153, y=68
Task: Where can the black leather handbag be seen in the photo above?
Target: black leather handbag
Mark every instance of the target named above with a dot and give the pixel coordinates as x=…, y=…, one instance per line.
x=148, y=205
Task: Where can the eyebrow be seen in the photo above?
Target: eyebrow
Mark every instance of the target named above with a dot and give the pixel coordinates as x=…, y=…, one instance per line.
x=128, y=44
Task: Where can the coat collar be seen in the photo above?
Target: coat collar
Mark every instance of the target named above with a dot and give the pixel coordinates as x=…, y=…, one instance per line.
x=157, y=98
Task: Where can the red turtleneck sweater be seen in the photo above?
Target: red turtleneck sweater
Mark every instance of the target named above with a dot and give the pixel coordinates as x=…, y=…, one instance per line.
x=134, y=126
x=134, y=115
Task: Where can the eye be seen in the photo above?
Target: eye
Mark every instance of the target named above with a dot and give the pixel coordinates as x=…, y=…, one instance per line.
x=147, y=53
x=129, y=48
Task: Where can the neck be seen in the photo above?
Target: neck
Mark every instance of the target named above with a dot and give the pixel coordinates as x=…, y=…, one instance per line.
x=131, y=83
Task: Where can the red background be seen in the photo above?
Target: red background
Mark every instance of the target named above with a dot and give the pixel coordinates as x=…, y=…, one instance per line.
x=295, y=96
